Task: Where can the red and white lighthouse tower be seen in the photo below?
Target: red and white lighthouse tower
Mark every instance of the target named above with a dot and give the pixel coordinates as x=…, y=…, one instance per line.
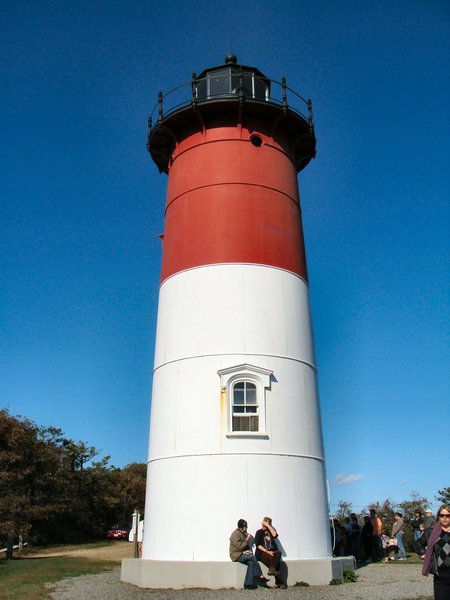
x=235, y=420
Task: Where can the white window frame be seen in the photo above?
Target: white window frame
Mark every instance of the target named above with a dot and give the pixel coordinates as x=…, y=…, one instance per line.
x=261, y=379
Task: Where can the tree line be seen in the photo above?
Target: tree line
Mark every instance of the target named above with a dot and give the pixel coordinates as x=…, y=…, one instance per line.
x=54, y=489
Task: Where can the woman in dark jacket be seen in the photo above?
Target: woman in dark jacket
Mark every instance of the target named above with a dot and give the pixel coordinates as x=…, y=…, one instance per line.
x=434, y=548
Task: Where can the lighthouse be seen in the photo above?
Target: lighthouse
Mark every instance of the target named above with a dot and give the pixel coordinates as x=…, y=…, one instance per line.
x=235, y=428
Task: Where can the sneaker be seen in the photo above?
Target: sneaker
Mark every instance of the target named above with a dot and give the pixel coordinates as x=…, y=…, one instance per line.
x=403, y=558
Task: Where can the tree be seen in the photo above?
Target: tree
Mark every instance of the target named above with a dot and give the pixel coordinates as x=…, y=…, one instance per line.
x=417, y=503
x=131, y=485
x=443, y=496
x=344, y=510
x=52, y=489
x=28, y=458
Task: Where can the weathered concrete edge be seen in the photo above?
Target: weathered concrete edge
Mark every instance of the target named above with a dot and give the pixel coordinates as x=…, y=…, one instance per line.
x=213, y=575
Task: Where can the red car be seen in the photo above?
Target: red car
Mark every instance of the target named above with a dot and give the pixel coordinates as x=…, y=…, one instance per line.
x=119, y=532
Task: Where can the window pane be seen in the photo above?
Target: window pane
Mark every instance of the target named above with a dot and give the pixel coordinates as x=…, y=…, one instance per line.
x=238, y=396
x=219, y=83
x=251, y=394
x=238, y=409
x=201, y=89
x=253, y=424
x=245, y=424
x=251, y=409
x=241, y=424
x=260, y=89
x=248, y=85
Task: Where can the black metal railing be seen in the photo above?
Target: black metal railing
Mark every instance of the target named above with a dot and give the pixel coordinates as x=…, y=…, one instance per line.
x=275, y=92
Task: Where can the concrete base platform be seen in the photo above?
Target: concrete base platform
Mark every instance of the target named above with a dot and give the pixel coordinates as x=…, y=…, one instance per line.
x=179, y=575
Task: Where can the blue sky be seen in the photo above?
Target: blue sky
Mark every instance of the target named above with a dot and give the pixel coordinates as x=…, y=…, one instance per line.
x=82, y=207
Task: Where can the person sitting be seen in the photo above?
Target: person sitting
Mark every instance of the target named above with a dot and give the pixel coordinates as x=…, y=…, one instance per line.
x=241, y=552
x=389, y=545
x=267, y=551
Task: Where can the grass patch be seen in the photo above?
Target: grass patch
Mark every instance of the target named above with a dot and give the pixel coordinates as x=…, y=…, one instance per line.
x=301, y=584
x=27, y=577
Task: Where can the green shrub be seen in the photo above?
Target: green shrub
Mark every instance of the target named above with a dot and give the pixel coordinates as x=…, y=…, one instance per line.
x=349, y=576
x=301, y=584
x=336, y=582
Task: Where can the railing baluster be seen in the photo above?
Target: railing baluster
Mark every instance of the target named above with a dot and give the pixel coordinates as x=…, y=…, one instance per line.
x=160, y=106
x=241, y=84
x=194, y=90
x=310, y=115
x=283, y=91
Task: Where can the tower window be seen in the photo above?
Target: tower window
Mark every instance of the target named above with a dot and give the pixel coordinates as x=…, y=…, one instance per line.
x=245, y=407
x=244, y=389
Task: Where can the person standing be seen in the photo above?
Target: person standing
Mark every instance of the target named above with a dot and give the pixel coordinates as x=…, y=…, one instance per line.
x=354, y=536
x=416, y=523
x=267, y=551
x=367, y=537
x=377, y=549
x=429, y=520
x=241, y=552
x=434, y=548
x=397, y=533
x=348, y=534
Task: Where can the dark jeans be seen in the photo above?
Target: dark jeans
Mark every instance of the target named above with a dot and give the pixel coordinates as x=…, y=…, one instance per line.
x=273, y=562
x=253, y=568
x=441, y=589
x=354, y=547
x=367, y=543
x=377, y=548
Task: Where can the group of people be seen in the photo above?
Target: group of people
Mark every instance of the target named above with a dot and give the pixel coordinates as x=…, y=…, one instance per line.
x=267, y=551
x=431, y=540
x=349, y=539
x=371, y=541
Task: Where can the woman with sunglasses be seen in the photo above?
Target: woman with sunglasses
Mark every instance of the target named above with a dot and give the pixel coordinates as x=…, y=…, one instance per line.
x=434, y=548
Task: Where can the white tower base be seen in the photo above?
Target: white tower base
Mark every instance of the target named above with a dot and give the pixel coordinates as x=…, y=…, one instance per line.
x=178, y=575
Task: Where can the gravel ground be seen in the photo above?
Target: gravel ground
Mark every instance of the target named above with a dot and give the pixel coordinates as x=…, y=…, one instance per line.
x=375, y=582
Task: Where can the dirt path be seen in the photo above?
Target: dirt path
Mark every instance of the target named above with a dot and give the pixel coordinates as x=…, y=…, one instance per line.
x=115, y=551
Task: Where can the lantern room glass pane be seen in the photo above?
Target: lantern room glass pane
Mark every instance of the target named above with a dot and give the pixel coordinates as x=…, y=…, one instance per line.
x=260, y=89
x=219, y=83
x=201, y=90
x=247, y=82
